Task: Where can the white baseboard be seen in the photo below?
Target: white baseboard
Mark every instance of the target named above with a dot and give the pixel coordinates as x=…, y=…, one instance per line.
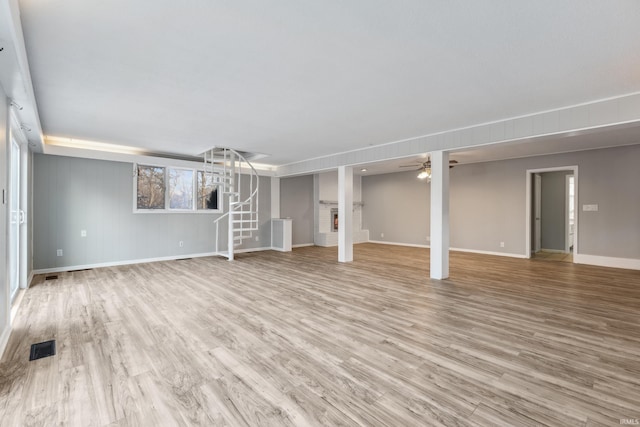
x=303, y=245
x=4, y=339
x=244, y=251
x=474, y=251
x=30, y=279
x=605, y=261
x=411, y=245
x=15, y=305
x=140, y=261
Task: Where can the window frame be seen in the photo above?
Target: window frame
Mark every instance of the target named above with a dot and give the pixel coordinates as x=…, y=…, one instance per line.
x=167, y=210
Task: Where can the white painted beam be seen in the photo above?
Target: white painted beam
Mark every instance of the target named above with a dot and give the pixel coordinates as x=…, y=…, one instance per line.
x=345, y=214
x=439, y=215
x=595, y=116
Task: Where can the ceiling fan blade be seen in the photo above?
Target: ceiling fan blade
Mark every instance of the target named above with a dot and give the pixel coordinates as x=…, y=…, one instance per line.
x=410, y=166
x=453, y=162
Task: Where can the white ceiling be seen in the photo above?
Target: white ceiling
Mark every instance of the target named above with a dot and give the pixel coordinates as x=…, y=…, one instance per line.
x=298, y=80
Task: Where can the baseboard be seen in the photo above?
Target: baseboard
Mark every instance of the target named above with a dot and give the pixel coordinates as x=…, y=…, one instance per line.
x=303, y=245
x=243, y=251
x=473, y=251
x=605, y=261
x=30, y=279
x=15, y=305
x=411, y=245
x=4, y=339
x=140, y=261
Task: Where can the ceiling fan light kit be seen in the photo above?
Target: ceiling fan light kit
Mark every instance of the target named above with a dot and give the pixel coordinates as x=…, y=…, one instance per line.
x=425, y=168
x=425, y=173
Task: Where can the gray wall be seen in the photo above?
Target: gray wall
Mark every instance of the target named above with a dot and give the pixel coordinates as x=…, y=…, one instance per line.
x=72, y=194
x=4, y=275
x=296, y=202
x=553, y=212
x=396, y=205
x=488, y=202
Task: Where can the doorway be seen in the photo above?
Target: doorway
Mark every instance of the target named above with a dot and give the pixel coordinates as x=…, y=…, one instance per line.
x=551, y=213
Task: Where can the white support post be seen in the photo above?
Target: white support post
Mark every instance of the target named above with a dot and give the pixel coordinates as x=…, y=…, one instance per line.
x=231, y=198
x=345, y=214
x=439, y=215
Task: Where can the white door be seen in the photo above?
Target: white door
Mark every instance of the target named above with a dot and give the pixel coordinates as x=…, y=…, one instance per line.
x=537, y=202
x=15, y=217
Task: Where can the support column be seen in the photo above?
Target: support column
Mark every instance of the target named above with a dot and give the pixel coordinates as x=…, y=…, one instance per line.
x=439, y=215
x=233, y=187
x=345, y=214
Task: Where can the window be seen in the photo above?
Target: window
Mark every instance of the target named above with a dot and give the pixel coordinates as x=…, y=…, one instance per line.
x=180, y=189
x=150, y=187
x=207, y=192
x=166, y=189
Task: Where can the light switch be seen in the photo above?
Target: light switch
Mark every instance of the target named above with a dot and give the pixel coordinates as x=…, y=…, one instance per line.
x=590, y=208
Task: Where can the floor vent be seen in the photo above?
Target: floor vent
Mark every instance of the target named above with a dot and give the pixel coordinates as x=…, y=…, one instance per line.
x=183, y=259
x=84, y=269
x=43, y=349
x=52, y=277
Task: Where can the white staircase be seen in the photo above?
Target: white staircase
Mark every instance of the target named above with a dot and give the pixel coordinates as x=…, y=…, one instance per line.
x=238, y=181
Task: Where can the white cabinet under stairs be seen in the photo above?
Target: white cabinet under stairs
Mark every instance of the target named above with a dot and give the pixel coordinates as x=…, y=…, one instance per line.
x=238, y=181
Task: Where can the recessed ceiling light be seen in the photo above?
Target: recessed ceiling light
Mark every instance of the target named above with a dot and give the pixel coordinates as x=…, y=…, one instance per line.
x=363, y=170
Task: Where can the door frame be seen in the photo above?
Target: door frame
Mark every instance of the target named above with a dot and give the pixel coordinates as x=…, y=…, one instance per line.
x=537, y=208
x=14, y=247
x=529, y=195
x=567, y=242
x=17, y=134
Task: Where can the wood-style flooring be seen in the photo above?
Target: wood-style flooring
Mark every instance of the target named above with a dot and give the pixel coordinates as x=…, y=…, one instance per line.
x=553, y=256
x=299, y=339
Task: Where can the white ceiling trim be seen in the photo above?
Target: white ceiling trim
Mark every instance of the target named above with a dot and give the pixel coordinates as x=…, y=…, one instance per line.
x=15, y=77
x=123, y=157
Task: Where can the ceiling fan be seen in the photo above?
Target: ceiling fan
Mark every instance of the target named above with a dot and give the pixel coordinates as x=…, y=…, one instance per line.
x=425, y=168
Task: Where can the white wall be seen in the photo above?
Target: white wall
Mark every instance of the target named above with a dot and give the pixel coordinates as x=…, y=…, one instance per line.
x=488, y=203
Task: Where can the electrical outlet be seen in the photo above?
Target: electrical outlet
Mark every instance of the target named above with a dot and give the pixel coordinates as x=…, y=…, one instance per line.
x=257, y=238
x=428, y=238
x=83, y=233
x=59, y=252
x=181, y=243
x=502, y=244
x=381, y=234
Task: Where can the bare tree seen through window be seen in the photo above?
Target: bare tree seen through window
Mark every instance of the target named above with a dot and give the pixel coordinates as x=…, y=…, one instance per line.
x=207, y=192
x=150, y=187
x=180, y=189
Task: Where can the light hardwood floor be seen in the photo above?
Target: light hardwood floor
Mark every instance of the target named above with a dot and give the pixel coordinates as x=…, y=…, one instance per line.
x=299, y=339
